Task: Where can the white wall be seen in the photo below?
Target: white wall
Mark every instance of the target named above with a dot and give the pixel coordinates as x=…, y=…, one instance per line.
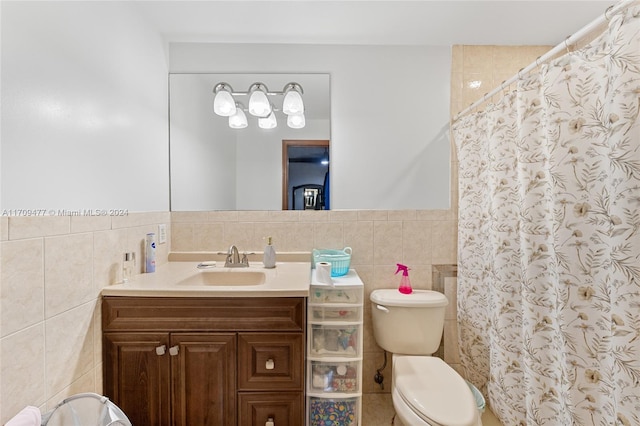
x=84, y=108
x=389, y=106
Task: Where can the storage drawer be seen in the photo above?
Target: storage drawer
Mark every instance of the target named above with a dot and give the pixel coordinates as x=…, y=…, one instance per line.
x=334, y=376
x=334, y=340
x=333, y=411
x=326, y=294
x=329, y=313
x=270, y=361
x=283, y=408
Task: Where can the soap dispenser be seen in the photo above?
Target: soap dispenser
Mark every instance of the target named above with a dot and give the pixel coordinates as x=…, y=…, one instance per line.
x=269, y=259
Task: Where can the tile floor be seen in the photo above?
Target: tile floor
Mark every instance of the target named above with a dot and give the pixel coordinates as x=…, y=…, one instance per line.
x=377, y=410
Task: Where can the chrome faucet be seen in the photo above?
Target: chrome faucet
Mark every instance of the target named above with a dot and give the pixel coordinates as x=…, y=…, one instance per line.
x=233, y=259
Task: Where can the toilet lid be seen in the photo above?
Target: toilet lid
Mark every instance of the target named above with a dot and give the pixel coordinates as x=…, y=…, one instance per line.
x=435, y=391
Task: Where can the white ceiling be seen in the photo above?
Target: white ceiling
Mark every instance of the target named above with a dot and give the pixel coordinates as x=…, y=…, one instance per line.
x=418, y=22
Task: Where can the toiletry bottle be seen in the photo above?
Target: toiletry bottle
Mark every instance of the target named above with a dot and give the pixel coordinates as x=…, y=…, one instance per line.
x=128, y=266
x=269, y=259
x=150, y=253
x=405, y=284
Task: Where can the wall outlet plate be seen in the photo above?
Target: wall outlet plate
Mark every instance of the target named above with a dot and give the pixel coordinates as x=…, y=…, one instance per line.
x=162, y=233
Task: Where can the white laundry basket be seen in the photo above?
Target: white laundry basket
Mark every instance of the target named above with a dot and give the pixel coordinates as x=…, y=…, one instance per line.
x=85, y=409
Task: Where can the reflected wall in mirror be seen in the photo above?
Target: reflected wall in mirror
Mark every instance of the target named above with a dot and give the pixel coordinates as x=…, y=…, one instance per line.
x=214, y=167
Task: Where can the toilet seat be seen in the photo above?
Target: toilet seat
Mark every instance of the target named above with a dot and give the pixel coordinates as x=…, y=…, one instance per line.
x=434, y=391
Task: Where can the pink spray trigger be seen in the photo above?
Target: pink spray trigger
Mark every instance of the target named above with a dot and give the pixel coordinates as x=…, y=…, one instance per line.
x=405, y=284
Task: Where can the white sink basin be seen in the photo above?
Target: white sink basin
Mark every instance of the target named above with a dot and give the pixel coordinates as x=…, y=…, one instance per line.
x=236, y=277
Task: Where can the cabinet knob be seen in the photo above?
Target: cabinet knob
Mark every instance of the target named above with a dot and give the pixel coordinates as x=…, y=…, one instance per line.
x=173, y=350
x=270, y=364
x=270, y=422
x=160, y=350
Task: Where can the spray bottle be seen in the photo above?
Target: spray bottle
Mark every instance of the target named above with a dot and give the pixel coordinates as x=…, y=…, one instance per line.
x=405, y=284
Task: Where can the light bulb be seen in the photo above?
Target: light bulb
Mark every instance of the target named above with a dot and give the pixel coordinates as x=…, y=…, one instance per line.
x=296, y=121
x=269, y=122
x=238, y=120
x=259, y=105
x=292, y=103
x=223, y=103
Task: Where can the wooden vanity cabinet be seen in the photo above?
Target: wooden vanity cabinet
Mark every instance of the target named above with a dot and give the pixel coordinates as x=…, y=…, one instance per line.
x=205, y=361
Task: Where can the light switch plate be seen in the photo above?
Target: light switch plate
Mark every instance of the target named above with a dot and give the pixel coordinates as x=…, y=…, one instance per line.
x=162, y=233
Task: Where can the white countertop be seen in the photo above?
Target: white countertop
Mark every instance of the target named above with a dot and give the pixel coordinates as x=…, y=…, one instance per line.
x=287, y=279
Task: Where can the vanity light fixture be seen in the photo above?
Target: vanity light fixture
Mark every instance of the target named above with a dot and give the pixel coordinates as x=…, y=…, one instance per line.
x=260, y=106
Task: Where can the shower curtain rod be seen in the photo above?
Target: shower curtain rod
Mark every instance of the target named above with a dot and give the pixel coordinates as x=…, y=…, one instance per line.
x=611, y=10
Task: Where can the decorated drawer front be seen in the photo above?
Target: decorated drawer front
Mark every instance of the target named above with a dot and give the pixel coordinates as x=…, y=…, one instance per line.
x=333, y=411
x=334, y=376
x=334, y=340
x=270, y=361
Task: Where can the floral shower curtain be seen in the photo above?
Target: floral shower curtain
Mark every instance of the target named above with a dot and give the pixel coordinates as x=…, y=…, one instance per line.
x=549, y=239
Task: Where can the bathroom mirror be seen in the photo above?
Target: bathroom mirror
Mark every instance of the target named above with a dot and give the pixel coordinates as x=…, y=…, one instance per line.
x=215, y=167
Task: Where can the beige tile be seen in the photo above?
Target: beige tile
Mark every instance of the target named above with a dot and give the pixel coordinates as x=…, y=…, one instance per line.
x=328, y=235
x=90, y=223
x=343, y=215
x=41, y=226
x=68, y=272
x=85, y=383
x=4, y=228
x=416, y=242
x=451, y=353
x=377, y=410
x=253, y=216
x=450, y=291
x=457, y=58
x=222, y=216
x=359, y=236
x=193, y=217
x=393, y=215
x=387, y=242
x=108, y=252
x=276, y=230
x=284, y=216
x=375, y=215
x=182, y=236
x=299, y=238
x=478, y=58
x=211, y=236
x=22, y=284
x=22, y=371
x=240, y=234
x=445, y=242
x=69, y=347
x=314, y=216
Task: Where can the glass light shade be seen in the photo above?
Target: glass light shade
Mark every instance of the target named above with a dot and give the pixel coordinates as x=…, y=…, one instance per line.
x=223, y=103
x=296, y=121
x=238, y=120
x=292, y=103
x=269, y=122
x=259, y=104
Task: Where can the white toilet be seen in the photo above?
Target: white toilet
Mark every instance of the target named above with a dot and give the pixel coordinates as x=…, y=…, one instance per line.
x=425, y=390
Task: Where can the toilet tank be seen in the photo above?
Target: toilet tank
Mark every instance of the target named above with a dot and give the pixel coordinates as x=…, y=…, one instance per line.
x=409, y=324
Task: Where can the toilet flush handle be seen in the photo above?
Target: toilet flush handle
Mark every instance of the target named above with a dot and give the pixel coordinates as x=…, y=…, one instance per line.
x=382, y=308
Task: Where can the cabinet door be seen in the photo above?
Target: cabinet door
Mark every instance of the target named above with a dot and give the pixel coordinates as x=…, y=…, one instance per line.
x=136, y=376
x=204, y=379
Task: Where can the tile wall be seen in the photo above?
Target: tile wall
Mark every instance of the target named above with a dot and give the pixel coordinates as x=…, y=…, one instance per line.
x=51, y=272
x=379, y=240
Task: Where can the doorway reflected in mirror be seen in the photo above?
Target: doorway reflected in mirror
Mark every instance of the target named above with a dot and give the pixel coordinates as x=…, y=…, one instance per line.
x=305, y=175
